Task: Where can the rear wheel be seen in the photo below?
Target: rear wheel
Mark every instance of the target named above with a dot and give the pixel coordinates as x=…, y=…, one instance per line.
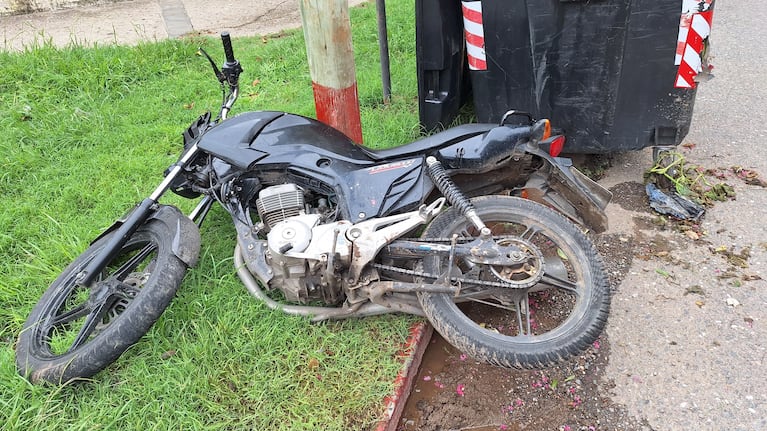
x=75, y=331
x=527, y=316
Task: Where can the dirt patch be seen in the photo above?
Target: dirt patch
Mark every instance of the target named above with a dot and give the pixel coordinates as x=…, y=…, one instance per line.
x=453, y=392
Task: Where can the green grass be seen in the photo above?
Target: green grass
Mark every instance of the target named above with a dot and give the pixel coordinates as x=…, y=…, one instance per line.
x=87, y=132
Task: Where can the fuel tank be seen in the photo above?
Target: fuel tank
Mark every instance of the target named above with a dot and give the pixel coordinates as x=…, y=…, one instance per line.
x=280, y=147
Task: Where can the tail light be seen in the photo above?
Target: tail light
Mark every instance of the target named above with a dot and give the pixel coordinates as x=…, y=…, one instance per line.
x=556, y=145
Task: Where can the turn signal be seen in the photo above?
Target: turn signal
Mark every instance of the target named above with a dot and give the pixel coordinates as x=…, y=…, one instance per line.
x=546, y=130
x=540, y=131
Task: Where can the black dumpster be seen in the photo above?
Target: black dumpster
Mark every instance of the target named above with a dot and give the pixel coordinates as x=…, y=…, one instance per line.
x=614, y=75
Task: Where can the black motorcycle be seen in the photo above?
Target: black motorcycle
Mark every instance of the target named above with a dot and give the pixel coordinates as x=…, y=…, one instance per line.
x=457, y=227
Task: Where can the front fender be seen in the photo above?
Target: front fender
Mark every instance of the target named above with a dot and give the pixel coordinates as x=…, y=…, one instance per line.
x=186, y=239
x=560, y=185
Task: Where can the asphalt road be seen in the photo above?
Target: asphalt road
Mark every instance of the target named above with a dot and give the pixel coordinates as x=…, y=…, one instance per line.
x=679, y=360
x=682, y=360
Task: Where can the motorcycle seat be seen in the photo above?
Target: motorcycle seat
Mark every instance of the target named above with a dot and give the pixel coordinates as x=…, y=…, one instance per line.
x=440, y=139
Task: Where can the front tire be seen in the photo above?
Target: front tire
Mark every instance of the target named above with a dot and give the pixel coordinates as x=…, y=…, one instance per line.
x=520, y=326
x=74, y=332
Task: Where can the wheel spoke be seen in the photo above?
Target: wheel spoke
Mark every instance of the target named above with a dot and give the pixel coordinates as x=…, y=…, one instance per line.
x=133, y=262
x=529, y=233
x=559, y=283
x=96, y=315
x=523, y=303
x=70, y=316
x=492, y=304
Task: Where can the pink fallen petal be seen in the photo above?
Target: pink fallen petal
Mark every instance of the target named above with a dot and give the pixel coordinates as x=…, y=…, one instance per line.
x=518, y=402
x=462, y=357
x=426, y=378
x=596, y=344
x=503, y=427
x=459, y=389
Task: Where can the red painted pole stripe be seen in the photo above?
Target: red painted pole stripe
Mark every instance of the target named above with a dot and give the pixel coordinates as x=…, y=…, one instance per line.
x=477, y=64
x=475, y=39
x=687, y=74
x=339, y=108
x=472, y=15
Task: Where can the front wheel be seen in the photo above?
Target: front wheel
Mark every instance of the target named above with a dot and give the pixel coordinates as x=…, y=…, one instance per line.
x=75, y=331
x=530, y=316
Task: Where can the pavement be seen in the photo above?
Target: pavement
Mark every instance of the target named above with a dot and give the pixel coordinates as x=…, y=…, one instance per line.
x=129, y=22
x=682, y=360
x=678, y=360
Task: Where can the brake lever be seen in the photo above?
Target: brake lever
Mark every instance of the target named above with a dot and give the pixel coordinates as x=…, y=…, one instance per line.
x=219, y=75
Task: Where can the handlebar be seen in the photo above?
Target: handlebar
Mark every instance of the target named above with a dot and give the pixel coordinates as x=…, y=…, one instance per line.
x=229, y=74
x=228, y=52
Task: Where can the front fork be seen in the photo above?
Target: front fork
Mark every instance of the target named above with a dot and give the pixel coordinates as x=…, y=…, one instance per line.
x=125, y=229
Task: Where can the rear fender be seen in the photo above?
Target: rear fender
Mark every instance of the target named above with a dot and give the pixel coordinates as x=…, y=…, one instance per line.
x=560, y=185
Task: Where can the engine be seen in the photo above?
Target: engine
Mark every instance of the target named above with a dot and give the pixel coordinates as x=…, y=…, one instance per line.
x=304, y=253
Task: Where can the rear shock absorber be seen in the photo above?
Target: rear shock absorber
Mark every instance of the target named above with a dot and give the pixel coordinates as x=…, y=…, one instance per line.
x=453, y=194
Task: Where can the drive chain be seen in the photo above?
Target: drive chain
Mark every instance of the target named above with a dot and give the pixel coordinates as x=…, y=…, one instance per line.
x=459, y=280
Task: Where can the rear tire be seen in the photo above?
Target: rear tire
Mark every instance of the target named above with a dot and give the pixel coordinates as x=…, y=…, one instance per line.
x=74, y=332
x=521, y=327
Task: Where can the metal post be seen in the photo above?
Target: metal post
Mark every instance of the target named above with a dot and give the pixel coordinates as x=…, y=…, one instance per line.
x=328, y=36
x=383, y=49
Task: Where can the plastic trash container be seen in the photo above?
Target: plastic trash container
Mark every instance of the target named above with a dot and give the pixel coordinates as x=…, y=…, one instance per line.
x=615, y=75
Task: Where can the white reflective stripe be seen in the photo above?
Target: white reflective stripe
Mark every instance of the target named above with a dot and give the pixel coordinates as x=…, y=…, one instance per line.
x=692, y=58
x=700, y=25
x=681, y=83
x=473, y=27
x=473, y=5
x=690, y=6
x=475, y=51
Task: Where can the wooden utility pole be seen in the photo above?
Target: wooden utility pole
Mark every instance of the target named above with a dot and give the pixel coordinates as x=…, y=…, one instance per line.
x=328, y=35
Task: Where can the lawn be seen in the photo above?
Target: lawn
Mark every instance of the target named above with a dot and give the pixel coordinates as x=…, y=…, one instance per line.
x=87, y=132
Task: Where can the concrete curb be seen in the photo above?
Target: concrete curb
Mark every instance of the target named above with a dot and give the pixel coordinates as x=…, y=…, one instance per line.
x=411, y=355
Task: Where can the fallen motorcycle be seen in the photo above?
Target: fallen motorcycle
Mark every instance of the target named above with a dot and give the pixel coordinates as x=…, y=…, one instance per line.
x=446, y=227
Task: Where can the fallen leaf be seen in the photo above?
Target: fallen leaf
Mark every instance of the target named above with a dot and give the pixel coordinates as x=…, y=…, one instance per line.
x=692, y=235
x=697, y=290
x=313, y=363
x=256, y=82
x=168, y=354
x=732, y=302
x=663, y=272
x=189, y=105
x=700, y=304
x=751, y=277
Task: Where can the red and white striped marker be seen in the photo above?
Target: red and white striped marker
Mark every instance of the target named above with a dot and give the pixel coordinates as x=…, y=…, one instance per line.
x=328, y=35
x=694, y=29
x=474, y=32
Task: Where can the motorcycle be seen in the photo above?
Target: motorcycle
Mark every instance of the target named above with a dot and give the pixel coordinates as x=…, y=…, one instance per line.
x=479, y=228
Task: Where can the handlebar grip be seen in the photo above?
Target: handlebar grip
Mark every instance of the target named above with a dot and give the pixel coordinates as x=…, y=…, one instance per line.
x=227, y=47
